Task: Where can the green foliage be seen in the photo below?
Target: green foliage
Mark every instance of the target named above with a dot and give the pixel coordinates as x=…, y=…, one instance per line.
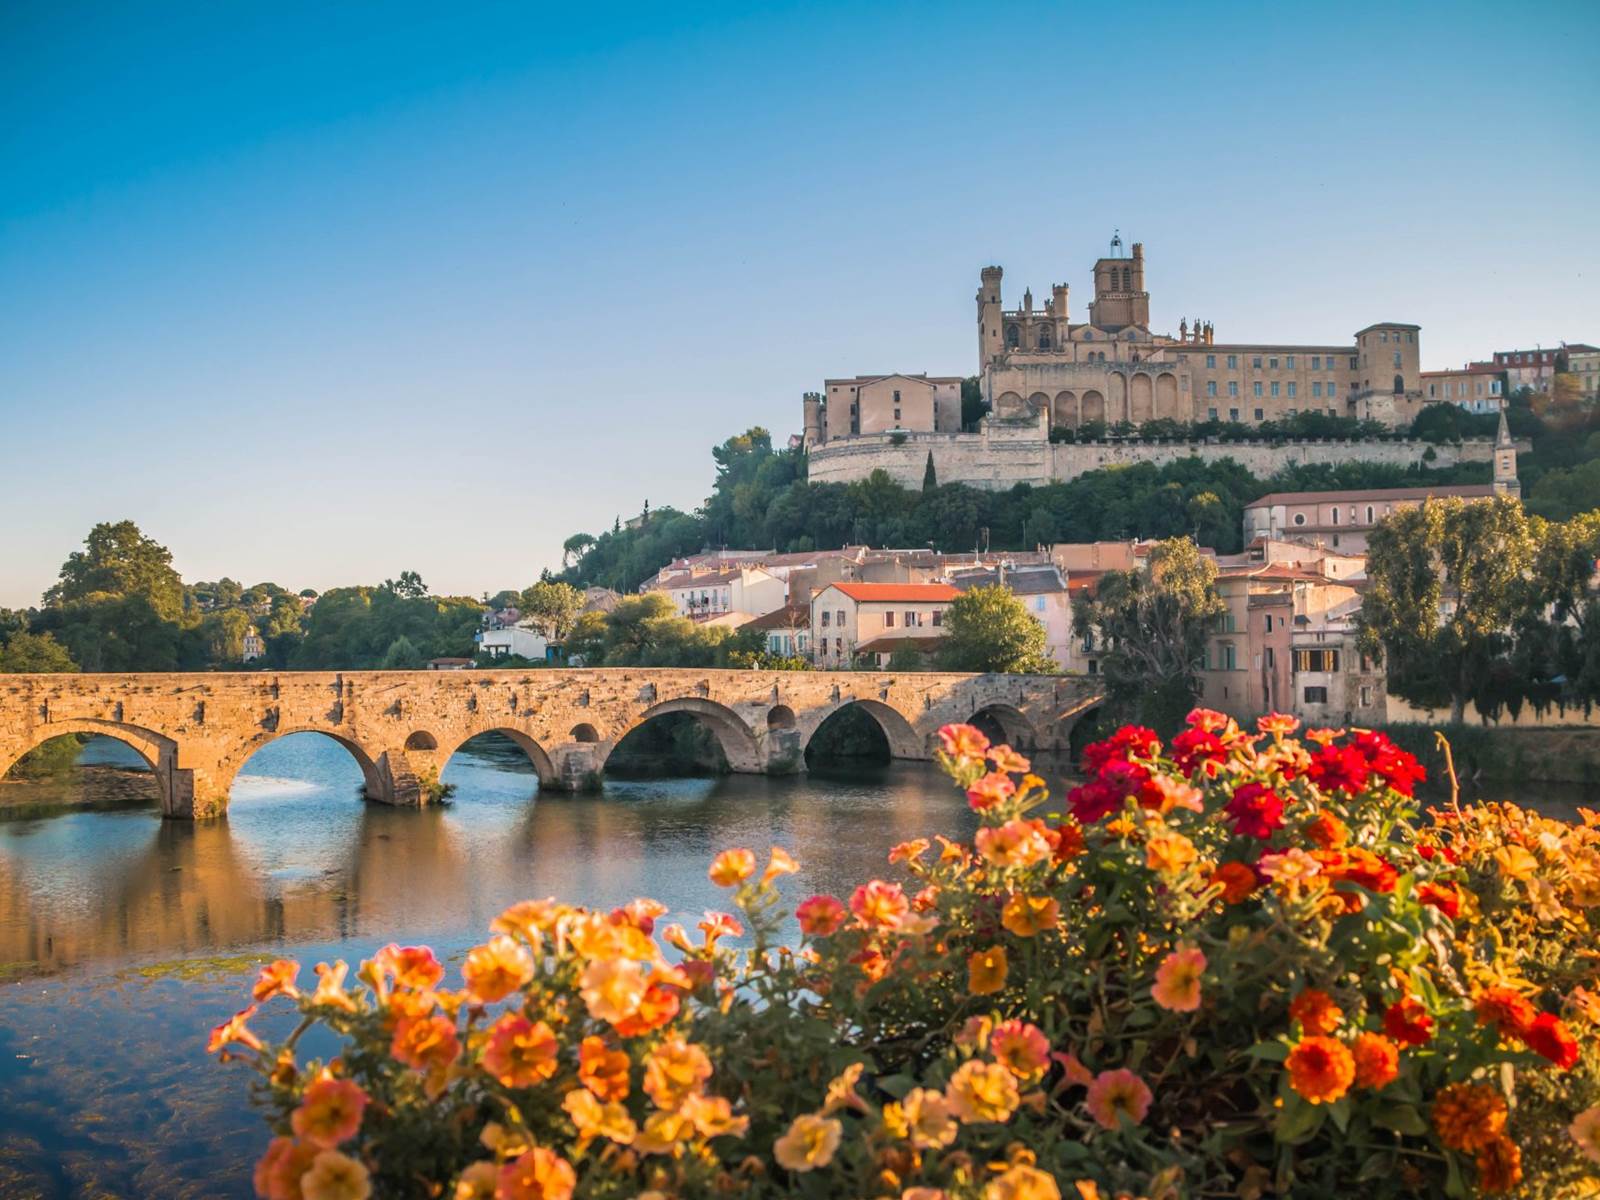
x=1152, y=623
x=646, y=631
x=1451, y=423
x=118, y=560
x=24, y=653
x=551, y=608
x=973, y=407
x=988, y=629
x=378, y=627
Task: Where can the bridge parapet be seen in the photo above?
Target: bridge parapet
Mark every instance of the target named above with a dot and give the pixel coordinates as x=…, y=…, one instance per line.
x=401, y=727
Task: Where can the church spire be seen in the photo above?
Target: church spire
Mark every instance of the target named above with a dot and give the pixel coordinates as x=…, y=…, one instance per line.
x=1506, y=482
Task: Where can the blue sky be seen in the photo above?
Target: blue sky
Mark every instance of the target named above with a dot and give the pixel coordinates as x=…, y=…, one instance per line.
x=321, y=293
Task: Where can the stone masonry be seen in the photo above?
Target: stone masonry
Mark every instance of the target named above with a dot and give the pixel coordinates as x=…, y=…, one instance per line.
x=197, y=730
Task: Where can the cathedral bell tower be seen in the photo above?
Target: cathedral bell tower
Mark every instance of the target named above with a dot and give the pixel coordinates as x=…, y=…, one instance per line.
x=1119, y=296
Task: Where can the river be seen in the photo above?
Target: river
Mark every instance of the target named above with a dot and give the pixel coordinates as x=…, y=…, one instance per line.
x=124, y=938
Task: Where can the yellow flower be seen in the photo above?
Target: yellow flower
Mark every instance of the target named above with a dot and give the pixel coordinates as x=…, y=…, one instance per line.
x=528, y=919
x=929, y=1122
x=675, y=1069
x=842, y=1091
x=712, y=1116
x=1022, y=1183
x=779, y=863
x=981, y=1091
x=497, y=968
x=1027, y=916
x=613, y=988
x=1017, y=843
x=335, y=1176
x=1516, y=863
x=986, y=971
x=594, y=1119
x=1168, y=851
x=330, y=986
x=732, y=867
x=662, y=1133
x=810, y=1143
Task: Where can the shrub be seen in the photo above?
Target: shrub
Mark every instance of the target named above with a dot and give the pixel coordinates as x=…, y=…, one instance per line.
x=1237, y=966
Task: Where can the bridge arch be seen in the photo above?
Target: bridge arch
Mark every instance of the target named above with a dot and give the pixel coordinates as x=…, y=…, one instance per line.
x=736, y=738
x=1006, y=723
x=229, y=764
x=903, y=738
x=529, y=745
x=158, y=750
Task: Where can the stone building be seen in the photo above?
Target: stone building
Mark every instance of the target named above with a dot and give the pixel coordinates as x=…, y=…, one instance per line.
x=1475, y=387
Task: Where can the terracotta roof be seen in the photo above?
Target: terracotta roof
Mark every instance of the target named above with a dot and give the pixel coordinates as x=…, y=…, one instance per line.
x=1468, y=490
x=896, y=593
x=791, y=616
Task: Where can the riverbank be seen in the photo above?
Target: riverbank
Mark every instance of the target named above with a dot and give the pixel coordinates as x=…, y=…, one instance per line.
x=1559, y=754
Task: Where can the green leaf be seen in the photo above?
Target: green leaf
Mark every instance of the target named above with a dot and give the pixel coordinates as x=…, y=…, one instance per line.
x=896, y=1085
x=1401, y=1118
x=1339, y=1111
x=1377, y=1166
x=1298, y=1121
x=1268, y=1051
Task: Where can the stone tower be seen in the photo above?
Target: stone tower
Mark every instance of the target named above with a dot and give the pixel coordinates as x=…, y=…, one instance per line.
x=1505, y=461
x=1119, y=296
x=990, y=324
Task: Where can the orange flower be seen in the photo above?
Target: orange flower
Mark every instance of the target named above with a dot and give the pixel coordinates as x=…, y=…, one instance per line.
x=732, y=867
x=1168, y=852
x=929, y=1121
x=1177, y=985
x=1328, y=831
x=425, y=1042
x=675, y=1069
x=1020, y=1048
x=1117, y=1094
x=233, y=1030
x=820, y=916
x=909, y=851
x=593, y=1119
x=811, y=1140
x=779, y=862
x=1377, y=1060
x=276, y=979
x=1021, y=1182
x=981, y=1091
x=496, y=969
x=1320, y=1069
x=1237, y=880
x=329, y=1113
x=986, y=971
x=963, y=741
x=330, y=987
x=279, y=1170
x=1316, y=1011
x=712, y=1116
x=1027, y=916
x=527, y=919
x=612, y=988
x=409, y=966
x=1499, y=1163
x=990, y=790
x=879, y=905
x=335, y=1176
x=1278, y=724
x=602, y=1070
x=1467, y=1116
x=1017, y=843
x=539, y=1174
x=520, y=1052
x=1508, y=1010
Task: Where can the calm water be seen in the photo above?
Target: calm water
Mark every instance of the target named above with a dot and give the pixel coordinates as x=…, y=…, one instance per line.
x=123, y=938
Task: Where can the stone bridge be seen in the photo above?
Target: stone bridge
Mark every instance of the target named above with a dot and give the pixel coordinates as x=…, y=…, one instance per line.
x=401, y=727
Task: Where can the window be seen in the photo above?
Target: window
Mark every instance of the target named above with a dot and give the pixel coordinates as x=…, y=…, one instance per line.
x=1233, y=414
x=1013, y=337
x=1233, y=387
x=1383, y=335
x=1299, y=518
x=1352, y=362
x=1260, y=414
x=897, y=397
x=1094, y=667
x=1211, y=387
x=897, y=414
x=1257, y=388
x=1229, y=662
x=1274, y=387
x=1038, y=604
x=938, y=617
x=1211, y=413
x=1044, y=338
x=1397, y=358
x=1289, y=362
x=1316, y=660
x=1333, y=389
x=1233, y=362
x=1291, y=393
x=1211, y=360
x=1272, y=363
x=825, y=615
x=1255, y=361
x=913, y=620
x=888, y=620
x=1335, y=514
x=1316, y=390
x=1369, y=514
x=838, y=617
x=1316, y=695
x=1316, y=362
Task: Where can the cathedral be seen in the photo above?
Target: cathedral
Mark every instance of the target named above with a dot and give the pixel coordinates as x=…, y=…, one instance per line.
x=1112, y=368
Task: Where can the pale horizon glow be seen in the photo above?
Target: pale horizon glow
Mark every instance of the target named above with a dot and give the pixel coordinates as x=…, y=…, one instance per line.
x=317, y=295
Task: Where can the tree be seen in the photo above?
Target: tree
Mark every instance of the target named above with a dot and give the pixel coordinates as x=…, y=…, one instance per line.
x=988, y=629
x=930, y=478
x=574, y=548
x=118, y=560
x=1152, y=623
x=402, y=655
x=551, y=608
x=34, y=653
x=973, y=407
x=408, y=587
x=1447, y=581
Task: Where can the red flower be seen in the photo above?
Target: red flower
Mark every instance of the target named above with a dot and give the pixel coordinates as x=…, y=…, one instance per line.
x=1407, y=1022
x=1341, y=767
x=1193, y=747
x=1549, y=1038
x=1256, y=810
x=1398, y=768
x=1365, y=869
x=1091, y=801
x=1445, y=897
x=1128, y=741
x=1506, y=1009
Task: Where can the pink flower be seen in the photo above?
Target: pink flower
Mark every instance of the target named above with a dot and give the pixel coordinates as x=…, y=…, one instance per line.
x=1005, y=758
x=1017, y=843
x=1020, y=1048
x=820, y=916
x=1117, y=1094
x=879, y=905
x=1177, y=985
x=990, y=790
x=963, y=741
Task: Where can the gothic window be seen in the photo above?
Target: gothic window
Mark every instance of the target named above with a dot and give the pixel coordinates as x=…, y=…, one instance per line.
x=1044, y=337
x=1399, y=384
x=1127, y=280
x=1013, y=337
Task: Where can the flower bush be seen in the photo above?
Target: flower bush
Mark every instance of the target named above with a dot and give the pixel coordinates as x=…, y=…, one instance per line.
x=1238, y=964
